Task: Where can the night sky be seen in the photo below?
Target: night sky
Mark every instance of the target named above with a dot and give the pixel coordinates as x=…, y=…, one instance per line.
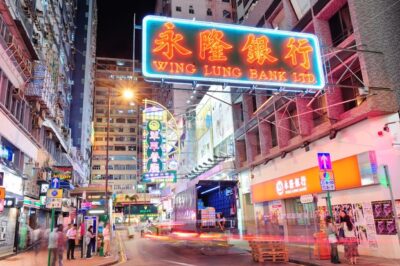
x=115, y=21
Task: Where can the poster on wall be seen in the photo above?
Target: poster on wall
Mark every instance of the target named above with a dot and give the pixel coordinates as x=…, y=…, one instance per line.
x=384, y=218
x=362, y=217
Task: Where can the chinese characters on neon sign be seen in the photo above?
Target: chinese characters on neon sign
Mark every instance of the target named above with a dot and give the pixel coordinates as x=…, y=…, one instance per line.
x=185, y=50
x=155, y=160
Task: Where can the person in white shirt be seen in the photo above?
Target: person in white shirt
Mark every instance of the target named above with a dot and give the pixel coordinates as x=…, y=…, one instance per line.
x=71, y=235
x=53, y=236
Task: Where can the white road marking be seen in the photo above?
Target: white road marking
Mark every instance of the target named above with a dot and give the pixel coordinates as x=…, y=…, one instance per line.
x=179, y=263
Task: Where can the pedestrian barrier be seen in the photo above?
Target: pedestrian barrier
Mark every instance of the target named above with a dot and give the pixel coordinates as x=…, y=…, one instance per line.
x=321, y=247
x=274, y=251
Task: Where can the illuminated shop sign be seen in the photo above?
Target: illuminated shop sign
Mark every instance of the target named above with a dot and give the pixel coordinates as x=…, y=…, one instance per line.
x=156, y=164
x=185, y=51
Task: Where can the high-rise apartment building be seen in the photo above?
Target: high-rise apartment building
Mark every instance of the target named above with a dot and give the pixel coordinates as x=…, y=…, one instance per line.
x=83, y=82
x=115, y=76
x=36, y=64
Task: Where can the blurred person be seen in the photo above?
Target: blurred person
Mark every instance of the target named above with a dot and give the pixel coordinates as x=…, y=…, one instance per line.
x=221, y=221
x=37, y=239
x=90, y=237
x=71, y=236
x=53, y=247
x=350, y=240
x=106, y=235
x=81, y=236
x=61, y=242
x=331, y=232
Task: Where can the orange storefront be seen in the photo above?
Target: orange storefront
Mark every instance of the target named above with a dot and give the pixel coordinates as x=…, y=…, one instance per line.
x=346, y=175
x=278, y=207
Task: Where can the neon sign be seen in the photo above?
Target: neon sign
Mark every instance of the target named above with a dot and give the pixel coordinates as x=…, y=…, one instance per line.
x=155, y=161
x=178, y=50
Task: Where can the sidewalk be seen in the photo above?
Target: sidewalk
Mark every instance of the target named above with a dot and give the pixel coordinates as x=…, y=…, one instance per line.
x=301, y=254
x=30, y=259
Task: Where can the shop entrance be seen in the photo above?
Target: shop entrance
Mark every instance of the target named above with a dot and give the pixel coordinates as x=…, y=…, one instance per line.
x=301, y=219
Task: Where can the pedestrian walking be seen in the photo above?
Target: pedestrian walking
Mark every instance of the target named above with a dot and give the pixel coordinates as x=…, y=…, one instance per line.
x=107, y=238
x=71, y=236
x=37, y=239
x=350, y=240
x=60, y=245
x=89, y=241
x=331, y=232
x=53, y=247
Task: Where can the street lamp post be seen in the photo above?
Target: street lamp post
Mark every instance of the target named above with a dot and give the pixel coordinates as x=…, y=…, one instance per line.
x=127, y=94
x=107, y=146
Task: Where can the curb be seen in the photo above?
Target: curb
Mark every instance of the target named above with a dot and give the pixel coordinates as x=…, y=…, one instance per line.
x=306, y=263
x=115, y=261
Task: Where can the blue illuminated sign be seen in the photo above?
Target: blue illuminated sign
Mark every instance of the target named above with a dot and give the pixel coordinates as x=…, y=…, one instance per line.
x=186, y=51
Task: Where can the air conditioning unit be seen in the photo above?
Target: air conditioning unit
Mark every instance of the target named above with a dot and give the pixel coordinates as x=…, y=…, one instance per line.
x=363, y=91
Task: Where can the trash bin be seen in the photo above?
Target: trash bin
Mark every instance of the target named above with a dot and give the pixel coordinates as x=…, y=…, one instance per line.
x=322, y=249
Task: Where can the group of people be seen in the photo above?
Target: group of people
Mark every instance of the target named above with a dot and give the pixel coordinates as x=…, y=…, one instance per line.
x=59, y=240
x=342, y=234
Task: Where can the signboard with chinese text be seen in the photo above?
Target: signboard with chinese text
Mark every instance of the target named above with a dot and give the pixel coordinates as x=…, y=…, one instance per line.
x=327, y=180
x=180, y=50
x=347, y=175
x=53, y=203
x=62, y=172
x=2, y=192
x=156, y=163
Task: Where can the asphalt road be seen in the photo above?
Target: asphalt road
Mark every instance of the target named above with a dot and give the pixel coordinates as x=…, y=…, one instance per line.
x=150, y=252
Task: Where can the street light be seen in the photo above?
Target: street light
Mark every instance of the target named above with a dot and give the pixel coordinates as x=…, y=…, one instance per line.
x=126, y=94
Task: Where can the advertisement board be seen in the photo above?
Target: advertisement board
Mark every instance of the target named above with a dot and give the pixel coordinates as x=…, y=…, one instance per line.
x=157, y=165
x=211, y=53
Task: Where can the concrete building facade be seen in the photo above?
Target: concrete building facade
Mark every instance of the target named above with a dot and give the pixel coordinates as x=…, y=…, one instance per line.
x=355, y=117
x=83, y=82
x=124, y=137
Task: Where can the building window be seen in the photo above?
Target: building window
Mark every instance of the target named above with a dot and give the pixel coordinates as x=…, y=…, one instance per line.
x=96, y=167
x=256, y=145
x=350, y=91
x=98, y=138
x=132, y=130
x=131, y=121
x=209, y=12
x=120, y=120
x=254, y=102
x=300, y=7
x=278, y=21
x=178, y=9
x=320, y=114
x=120, y=148
x=226, y=14
x=274, y=138
x=191, y=10
x=131, y=148
x=293, y=120
x=226, y=1
x=340, y=25
x=99, y=120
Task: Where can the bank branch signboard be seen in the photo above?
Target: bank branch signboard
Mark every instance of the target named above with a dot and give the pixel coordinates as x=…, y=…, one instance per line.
x=178, y=50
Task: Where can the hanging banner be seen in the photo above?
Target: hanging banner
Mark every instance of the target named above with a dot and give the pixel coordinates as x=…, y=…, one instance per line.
x=179, y=50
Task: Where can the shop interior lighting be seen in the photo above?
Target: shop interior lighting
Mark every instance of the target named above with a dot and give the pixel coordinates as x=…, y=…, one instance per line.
x=97, y=211
x=209, y=190
x=198, y=187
